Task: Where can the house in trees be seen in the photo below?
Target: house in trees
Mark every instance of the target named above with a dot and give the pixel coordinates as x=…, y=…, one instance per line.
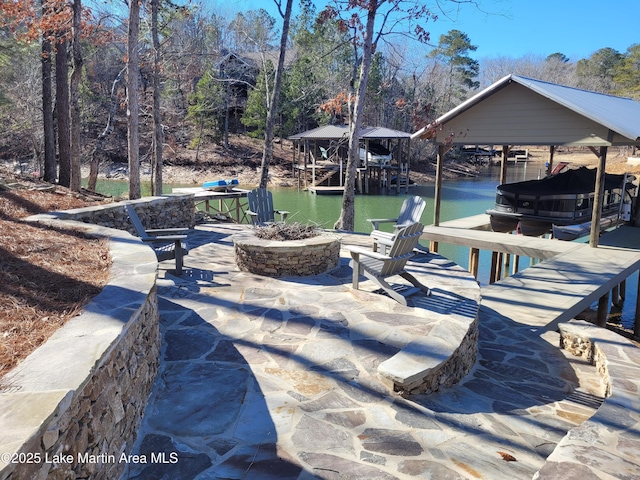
x=239, y=73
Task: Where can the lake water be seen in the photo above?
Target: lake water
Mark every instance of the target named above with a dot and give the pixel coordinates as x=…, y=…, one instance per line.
x=460, y=198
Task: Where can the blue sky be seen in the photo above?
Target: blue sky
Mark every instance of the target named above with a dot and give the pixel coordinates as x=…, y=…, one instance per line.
x=515, y=28
x=576, y=28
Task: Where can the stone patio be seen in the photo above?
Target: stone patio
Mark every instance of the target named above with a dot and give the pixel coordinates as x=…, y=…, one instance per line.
x=265, y=378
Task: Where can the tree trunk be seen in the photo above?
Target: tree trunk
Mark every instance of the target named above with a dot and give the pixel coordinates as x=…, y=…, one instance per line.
x=133, y=127
x=74, y=97
x=272, y=107
x=49, y=172
x=62, y=113
x=94, y=165
x=226, y=116
x=157, y=119
x=347, y=214
x=97, y=151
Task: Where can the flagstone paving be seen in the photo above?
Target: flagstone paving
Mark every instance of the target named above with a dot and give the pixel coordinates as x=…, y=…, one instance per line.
x=264, y=378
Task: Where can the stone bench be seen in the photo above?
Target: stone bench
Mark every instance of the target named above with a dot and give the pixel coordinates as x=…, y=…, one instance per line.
x=436, y=361
x=608, y=444
x=446, y=349
x=81, y=395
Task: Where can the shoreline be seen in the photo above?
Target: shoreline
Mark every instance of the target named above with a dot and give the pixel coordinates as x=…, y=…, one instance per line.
x=281, y=172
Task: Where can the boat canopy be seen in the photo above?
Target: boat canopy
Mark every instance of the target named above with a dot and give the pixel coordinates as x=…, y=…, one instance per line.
x=580, y=180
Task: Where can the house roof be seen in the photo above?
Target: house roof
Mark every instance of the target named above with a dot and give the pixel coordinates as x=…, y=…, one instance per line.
x=537, y=112
x=337, y=132
x=256, y=58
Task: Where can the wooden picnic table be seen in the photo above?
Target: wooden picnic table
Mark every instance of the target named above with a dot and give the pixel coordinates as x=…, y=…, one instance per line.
x=230, y=203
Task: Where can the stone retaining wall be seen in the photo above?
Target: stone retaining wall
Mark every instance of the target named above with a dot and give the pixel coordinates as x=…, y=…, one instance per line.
x=72, y=408
x=608, y=444
x=171, y=211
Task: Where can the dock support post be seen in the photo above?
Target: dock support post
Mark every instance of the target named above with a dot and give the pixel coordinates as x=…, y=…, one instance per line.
x=552, y=150
x=506, y=264
x=616, y=299
x=442, y=149
x=516, y=264
x=603, y=310
x=438, y=187
x=503, y=165
x=598, y=198
x=495, y=266
x=474, y=261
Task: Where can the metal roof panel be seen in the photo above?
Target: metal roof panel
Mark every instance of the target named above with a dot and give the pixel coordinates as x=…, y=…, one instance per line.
x=619, y=114
x=342, y=131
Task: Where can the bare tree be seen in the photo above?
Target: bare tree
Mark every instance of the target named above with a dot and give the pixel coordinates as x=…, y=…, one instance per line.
x=272, y=106
x=21, y=112
x=157, y=120
x=133, y=120
x=62, y=112
x=108, y=129
x=559, y=69
x=47, y=105
x=74, y=97
x=380, y=18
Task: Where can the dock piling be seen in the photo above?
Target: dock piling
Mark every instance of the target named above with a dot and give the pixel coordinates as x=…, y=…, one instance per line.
x=616, y=299
x=474, y=261
x=603, y=310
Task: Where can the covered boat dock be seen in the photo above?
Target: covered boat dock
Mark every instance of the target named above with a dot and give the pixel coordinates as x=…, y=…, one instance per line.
x=320, y=159
x=521, y=111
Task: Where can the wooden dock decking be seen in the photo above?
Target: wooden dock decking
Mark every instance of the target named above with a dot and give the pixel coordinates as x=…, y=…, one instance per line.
x=571, y=277
x=472, y=232
x=558, y=289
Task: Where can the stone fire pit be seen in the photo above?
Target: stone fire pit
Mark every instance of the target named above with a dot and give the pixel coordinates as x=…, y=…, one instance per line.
x=277, y=258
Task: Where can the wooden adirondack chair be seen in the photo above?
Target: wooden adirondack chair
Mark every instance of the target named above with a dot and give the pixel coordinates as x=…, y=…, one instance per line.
x=167, y=243
x=261, y=207
x=377, y=266
x=410, y=212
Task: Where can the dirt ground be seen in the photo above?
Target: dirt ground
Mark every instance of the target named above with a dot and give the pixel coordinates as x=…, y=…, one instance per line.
x=241, y=161
x=576, y=156
x=46, y=274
